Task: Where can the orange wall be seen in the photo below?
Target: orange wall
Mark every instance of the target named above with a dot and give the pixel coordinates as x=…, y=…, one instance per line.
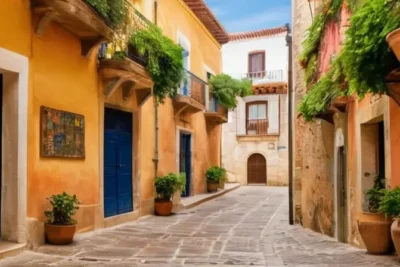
x=62, y=79
x=395, y=143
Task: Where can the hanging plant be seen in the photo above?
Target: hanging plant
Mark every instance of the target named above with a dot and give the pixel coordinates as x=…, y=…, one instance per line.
x=366, y=56
x=164, y=60
x=225, y=89
x=319, y=98
x=113, y=11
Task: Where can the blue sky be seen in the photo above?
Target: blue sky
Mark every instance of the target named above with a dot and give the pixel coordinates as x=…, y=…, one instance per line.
x=249, y=15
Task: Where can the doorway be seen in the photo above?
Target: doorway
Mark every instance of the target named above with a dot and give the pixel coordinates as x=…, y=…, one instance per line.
x=118, y=186
x=341, y=195
x=185, y=160
x=257, y=169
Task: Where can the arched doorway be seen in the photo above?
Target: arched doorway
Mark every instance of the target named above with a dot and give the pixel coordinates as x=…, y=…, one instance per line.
x=257, y=169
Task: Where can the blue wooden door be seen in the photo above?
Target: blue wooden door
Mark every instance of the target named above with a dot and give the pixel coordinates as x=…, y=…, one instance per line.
x=117, y=162
x=185, y=160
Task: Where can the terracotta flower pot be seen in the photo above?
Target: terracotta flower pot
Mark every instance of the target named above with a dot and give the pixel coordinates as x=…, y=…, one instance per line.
x=212, y=186
x=374, y=229
x=395, y=230
x=59, y=234
x=163, y=207
x=393, y=39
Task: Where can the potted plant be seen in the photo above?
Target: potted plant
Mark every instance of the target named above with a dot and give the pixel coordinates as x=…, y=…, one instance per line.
x=165, y=188
x=390, y=206
x=60, y=227
x=373, y=226
x=222, y=179
x=213, y=176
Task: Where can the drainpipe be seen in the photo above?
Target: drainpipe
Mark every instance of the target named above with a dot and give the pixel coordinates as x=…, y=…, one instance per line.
x=291, y=124
x=155, y=159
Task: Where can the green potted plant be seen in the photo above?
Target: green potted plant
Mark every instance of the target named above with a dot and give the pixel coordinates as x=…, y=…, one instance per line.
x=223, y=178
x=213, y=176
x=165, y=189
x=60, y=227
x=373, y=226
x=390, y=206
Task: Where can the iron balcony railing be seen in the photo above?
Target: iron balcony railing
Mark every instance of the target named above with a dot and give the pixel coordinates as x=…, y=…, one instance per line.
x=193, y=87
x=257, y=126
x=263, y=76
x=137, y=21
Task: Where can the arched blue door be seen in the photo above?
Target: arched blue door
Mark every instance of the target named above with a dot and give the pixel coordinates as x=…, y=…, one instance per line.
x=118, y=150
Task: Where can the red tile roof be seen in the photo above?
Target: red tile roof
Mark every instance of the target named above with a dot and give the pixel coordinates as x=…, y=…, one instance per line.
x=256, y=34
x=205, y=15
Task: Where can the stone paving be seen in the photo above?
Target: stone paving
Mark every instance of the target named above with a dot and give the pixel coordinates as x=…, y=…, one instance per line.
x=247, y=227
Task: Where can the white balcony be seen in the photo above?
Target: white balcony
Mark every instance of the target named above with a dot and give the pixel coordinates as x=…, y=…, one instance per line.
x=267, y=76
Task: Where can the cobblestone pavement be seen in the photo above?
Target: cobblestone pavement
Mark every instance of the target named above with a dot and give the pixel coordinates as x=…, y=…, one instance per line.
x=247, y=227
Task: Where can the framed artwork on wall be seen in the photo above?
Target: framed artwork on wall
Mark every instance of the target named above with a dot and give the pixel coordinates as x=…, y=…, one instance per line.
x=62, y=134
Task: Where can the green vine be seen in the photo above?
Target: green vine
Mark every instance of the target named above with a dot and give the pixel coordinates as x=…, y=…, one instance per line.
x=310, y=55
x=164, y=60
x=225, y=89
x=366, y=56
x=112, y=11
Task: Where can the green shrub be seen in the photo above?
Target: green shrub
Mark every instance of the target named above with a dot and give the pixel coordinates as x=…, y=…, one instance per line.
x=164, y=60
x=114, y=12
x=64, y=207
x=166, y=186
x=215, y=174
x=225, y=89
x=101, y=6
x=390, y=203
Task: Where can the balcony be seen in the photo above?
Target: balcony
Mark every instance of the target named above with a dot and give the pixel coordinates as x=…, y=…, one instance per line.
x=75, y=16
x=216, y=114
x=268, y=76
x=191, y=95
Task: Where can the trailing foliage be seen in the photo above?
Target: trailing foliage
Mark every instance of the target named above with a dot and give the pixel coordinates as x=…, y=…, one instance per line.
x=366, y=56
x=113, y=11
x=312, y=42
x=215, y=174
x=64, y=207
x=164, y=60
x=225, y=89
x=320, y=96
x=390, y=203
x=166, y=186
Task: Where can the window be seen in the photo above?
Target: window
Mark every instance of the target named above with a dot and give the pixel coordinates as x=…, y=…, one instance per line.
x=257, y=64
x=257, y=118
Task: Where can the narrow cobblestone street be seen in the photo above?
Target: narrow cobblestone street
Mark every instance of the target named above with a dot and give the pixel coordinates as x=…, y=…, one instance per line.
x=247, y=227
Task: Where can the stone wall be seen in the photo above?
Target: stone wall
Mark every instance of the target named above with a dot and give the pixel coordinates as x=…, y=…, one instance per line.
x=313, y=148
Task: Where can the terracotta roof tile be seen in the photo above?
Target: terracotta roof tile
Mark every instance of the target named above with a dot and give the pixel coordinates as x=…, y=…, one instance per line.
x=205, y=15
x=256, y=34
x=270, y=88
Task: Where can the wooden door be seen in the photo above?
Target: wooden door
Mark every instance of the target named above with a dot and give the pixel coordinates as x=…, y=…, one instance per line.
x=185, y=160
x=257, y=169
x=117, y=162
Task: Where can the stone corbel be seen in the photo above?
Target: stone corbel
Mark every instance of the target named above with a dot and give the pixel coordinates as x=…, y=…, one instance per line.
x=88, y=46
x=117, y=82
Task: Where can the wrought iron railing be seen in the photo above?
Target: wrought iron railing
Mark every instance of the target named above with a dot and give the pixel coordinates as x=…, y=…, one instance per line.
x=193, y=87
x=268, y=76
x=134, y=21
x=257, y=126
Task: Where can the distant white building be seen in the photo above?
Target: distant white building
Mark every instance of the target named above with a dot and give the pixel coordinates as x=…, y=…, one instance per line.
x=255, y=139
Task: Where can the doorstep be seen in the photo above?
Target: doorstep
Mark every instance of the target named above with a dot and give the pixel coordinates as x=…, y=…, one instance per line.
x=193, y=201
x=8, y=249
